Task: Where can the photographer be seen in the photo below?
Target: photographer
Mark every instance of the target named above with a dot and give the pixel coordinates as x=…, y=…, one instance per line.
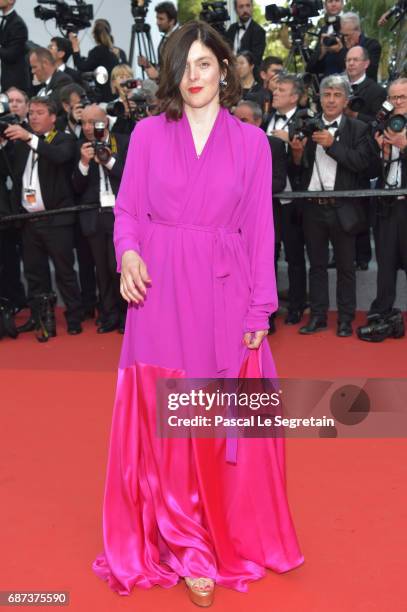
x=13, y=41
x=73, y=99
x=331, y=60
x=104, y=54
x=324, y=59
x=285, y=107
x=61, y=51
x=45, y=71
x=250, y=112
x=391, y=220
x=167, y=23
x=246, y=34
x=337, y=154
x=41, y=160
x=369, y=95
x=11, y=286
x=96, y=179
x=270, y=69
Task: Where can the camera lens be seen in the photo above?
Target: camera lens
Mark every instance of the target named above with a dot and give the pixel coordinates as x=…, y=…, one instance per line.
x=397, y=123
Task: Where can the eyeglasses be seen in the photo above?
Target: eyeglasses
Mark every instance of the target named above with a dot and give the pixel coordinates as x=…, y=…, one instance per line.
x=397, y=98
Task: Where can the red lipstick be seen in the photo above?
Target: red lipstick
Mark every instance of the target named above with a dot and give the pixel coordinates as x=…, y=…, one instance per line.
x=195, y=89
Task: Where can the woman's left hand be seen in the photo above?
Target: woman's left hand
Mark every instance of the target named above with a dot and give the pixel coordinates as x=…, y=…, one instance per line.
x=253, y=339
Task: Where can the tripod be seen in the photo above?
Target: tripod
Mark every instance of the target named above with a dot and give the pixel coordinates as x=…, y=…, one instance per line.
x=299, y=51
x=141, y=32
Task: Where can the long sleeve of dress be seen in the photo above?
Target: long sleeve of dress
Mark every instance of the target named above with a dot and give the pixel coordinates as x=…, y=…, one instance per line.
x=258, y=234
x=132, y=194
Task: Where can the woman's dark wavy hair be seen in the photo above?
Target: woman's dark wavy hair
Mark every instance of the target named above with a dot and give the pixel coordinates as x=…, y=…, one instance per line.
x=175, y=60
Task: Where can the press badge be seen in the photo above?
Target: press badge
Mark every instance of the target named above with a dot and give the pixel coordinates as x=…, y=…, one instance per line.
x=30, y=196
x=107, y=200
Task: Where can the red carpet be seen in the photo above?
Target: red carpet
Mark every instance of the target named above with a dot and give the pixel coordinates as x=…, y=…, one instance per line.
x=347, y=496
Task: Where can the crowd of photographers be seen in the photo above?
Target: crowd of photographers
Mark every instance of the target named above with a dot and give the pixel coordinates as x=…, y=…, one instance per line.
x=64, y=133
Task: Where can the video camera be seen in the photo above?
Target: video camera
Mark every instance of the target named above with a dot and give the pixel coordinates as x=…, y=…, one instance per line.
x=299, y=11
x=68, y=18
x=215, y=13
x=6, y=118
x=305, y=124
x=139, y=10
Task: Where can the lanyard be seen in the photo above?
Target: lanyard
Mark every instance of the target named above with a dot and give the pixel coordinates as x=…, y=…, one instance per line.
x=34, y=161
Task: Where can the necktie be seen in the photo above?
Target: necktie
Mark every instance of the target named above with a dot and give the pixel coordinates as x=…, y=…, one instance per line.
x=331, y=125
x=355, y=88
x=277, y=116
x=241, y=26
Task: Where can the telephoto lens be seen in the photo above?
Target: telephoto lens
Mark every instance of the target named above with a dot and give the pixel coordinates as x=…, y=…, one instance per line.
x=397, y=123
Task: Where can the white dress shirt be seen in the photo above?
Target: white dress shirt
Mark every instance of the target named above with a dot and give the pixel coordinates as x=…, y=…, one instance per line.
x=282, y=124
x=324, y=164
x=107, y=197
x=393, y=180
x=31, y=178
x=239, y=35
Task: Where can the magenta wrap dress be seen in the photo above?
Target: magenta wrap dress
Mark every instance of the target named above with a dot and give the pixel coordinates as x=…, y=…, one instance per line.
x=204, y=227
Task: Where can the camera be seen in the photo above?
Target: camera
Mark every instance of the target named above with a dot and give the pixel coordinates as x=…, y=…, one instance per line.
x=68, y=18
x=385, y=120
x=356, y=104
x=140, y=96
x=6, y=118
x=379, y=327
x=299, y=11
x=102, y=150
x=139, y=10
x=305, y=124
x=215, y=13
x=330, y=41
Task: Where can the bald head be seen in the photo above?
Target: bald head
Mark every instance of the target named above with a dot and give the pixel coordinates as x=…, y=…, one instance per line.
x=357, y=62
x=90, y=115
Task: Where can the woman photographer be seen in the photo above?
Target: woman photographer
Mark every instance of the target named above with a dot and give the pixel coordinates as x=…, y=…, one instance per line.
x=251, y=89
x=104, y=54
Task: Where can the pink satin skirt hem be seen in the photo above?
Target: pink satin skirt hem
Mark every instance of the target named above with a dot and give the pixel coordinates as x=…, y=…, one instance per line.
x=175, y=507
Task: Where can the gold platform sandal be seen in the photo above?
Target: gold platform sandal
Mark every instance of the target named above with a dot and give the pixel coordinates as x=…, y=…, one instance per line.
x=201, y=591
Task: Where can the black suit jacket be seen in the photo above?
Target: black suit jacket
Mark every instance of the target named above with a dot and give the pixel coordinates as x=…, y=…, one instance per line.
x=87, y=187
x=280, y=163
x=58, y=81
x=253, y=40
x=74, y=74
x=373, y=96
x=98, y=56
x=13, y=53
x=356, y=155
x=54, y=170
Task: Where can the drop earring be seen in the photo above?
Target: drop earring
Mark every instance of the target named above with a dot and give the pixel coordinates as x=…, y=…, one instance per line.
x=223, y=82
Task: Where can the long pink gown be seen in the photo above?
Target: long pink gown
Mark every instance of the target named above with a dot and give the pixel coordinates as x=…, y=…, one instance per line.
x=204, y=227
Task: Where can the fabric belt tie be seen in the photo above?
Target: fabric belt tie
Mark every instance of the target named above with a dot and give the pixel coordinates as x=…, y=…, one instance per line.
x=221, y=271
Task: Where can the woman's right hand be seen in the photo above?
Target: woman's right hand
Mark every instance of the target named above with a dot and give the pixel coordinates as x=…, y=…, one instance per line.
x=74, y=42
x=134, y=277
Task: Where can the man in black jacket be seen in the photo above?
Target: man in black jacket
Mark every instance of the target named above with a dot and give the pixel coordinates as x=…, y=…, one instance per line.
x=96, y=179
x=246, y=34
x=13, y=55
x=337, y=157
x=61, y=51
x=250, y=112
x=41, y=182
x=391, y=220
x=286, y=98
x=370, y=93
x=45, y=71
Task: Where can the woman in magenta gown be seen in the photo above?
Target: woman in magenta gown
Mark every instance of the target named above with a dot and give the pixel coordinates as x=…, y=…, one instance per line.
x=195, y=246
